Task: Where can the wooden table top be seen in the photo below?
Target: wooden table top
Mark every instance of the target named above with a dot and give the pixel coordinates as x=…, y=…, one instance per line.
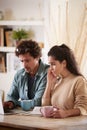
x=26, y=122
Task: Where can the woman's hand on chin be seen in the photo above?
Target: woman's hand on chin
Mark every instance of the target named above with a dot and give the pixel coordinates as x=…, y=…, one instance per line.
x=51, y=77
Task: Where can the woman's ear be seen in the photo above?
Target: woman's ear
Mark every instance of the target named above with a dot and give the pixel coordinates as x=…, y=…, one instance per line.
x=64, y=63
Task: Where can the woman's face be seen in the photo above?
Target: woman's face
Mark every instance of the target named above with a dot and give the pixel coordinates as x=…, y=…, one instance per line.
x=56, y=66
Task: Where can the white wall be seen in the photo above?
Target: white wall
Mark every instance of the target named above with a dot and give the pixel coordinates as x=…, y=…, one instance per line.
x=5, y=82
x=23, y=9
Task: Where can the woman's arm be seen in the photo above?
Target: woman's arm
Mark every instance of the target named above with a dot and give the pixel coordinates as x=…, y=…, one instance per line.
x=46, y=99
x=51, y=80
x=59, y=113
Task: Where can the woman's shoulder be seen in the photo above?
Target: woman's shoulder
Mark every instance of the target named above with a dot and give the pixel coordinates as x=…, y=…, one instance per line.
x=80, y=78
x=77, y=77
x=81, y=81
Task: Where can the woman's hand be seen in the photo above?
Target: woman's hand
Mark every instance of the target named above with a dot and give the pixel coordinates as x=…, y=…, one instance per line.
x=59, y=113
x=53, y=112
x=51, y=78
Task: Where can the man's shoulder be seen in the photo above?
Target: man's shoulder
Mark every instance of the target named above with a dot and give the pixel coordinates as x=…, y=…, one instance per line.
x=42, y=71
x=44, y=66
x=20, y=72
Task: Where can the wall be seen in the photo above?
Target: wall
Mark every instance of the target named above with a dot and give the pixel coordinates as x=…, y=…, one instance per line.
x=5, y=82
x=25, y=10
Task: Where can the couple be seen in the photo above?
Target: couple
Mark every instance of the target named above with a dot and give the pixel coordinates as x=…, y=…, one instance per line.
x=59, y=85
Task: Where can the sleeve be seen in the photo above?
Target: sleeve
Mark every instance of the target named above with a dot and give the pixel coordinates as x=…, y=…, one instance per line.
x=81, y=95
x=13, y=94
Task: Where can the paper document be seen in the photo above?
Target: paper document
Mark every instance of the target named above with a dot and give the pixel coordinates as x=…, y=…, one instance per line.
x=36, y=111
x=1, y=107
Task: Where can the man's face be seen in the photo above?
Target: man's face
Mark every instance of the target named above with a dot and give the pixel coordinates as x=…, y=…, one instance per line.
x=29, y=62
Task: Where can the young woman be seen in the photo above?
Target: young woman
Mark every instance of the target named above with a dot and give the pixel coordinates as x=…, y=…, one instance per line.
x=66, y=88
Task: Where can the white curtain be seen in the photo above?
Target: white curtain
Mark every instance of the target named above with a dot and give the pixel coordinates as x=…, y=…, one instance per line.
x=66, y=22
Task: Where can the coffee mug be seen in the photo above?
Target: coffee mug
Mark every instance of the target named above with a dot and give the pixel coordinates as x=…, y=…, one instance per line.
x=46, y=110
x=26, y=104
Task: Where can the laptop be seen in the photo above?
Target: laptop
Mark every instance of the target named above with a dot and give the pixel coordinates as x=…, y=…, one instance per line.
x=35, y=111
x=13, y=111
x=3, y=112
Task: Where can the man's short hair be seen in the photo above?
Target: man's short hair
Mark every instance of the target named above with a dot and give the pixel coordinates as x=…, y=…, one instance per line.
x=28, y=46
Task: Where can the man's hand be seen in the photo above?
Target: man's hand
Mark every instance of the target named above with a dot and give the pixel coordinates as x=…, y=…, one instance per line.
x=8, y=105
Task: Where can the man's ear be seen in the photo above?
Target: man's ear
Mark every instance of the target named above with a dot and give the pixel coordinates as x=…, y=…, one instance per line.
x=38, y=57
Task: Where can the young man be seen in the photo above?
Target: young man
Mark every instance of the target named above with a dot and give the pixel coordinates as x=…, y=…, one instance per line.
x=29, y=83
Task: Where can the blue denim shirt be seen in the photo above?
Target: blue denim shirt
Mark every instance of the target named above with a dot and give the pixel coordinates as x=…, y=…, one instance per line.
x=19, y=88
